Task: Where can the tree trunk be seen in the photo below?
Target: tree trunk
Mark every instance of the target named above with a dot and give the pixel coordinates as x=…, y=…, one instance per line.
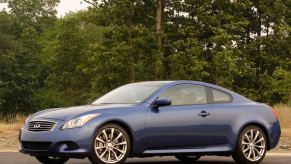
x=258, y=55
x=159, y=32
x=131, y=57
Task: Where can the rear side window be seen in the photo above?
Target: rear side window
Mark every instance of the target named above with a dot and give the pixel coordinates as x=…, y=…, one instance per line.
x=220, y=96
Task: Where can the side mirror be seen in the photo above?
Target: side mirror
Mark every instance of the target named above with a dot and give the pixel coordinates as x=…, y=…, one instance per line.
x=162, y=102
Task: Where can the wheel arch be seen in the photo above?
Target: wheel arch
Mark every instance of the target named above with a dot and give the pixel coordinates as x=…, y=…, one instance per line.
x=259, y=125
x=125, y=126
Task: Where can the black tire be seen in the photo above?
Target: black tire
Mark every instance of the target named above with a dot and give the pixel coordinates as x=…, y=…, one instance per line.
x=97, y=160
x=240, y=157
x=51, y=160
x=188, y=159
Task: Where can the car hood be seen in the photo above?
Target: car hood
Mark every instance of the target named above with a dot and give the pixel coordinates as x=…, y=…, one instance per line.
x=69, y=112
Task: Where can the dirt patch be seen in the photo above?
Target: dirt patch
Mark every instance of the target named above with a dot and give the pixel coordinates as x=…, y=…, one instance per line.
x=284, y=145
x=9, y=137
x=9, y=141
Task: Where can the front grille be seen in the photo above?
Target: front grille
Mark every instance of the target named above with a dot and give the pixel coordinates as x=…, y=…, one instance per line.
x=40, y=126
x=35, y=145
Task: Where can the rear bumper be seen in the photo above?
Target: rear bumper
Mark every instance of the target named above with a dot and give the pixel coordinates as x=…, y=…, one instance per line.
x=274, y=134
x=70, y=142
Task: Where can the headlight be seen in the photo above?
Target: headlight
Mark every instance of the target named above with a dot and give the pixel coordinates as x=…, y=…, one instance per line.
x=28, y=118
x=79, y=122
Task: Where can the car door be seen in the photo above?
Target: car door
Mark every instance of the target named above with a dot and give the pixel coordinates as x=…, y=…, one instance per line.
x=225, y=115
x=184, y=124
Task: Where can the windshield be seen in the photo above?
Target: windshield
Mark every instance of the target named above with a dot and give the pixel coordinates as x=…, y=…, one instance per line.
x=129, y=94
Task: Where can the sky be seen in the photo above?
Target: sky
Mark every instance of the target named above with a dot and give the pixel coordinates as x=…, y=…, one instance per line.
x=64, y=7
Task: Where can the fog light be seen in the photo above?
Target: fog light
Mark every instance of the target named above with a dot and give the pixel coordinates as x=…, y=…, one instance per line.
x=72, y=145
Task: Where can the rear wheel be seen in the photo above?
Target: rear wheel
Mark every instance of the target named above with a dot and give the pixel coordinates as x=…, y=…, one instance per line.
x=251, y=147
x=185, y=158
x=52, y=160
x=111, y=145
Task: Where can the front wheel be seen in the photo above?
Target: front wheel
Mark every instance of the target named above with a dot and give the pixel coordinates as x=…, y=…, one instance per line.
x=184, y=158
x=111, y=145
x=251, y=146
x=52, y=160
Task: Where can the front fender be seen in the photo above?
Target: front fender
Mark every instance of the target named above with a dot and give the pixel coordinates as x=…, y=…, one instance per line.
x=133, y=122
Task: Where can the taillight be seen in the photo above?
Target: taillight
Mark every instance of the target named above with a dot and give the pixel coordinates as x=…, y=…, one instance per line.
x=275, y=112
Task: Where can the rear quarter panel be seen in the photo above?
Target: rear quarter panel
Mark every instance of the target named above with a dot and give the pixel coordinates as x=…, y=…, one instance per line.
x=231, y=118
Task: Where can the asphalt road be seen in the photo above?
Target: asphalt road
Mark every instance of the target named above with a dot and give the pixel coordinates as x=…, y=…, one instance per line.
x=17, y=158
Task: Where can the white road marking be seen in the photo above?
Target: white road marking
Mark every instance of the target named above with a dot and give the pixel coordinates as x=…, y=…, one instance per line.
x=279, y=154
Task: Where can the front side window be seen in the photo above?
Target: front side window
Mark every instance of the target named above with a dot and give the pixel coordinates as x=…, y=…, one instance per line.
x=185, y=94
x=220, y=96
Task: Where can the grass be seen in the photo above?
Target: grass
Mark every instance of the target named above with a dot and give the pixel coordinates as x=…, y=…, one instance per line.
x=10, y=127
x=12, y=122
x=284, y=115
x=12, y=118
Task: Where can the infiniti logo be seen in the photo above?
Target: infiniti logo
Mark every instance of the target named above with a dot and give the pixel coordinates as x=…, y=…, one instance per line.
x=36, y=126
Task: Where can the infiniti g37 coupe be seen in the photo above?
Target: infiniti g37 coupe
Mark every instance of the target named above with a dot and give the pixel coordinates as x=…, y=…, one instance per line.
x=185, y=119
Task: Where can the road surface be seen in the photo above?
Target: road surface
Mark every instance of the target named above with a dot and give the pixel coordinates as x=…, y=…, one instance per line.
x=17, y=158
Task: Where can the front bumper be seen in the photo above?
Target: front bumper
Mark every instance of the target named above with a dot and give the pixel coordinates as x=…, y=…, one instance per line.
x=75, y=142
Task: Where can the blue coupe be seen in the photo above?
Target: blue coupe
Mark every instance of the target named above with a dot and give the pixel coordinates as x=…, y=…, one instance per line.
x=185, y=119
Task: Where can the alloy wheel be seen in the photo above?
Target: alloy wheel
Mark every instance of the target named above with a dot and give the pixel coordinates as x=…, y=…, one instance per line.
x=253, y=145
x=110, y=145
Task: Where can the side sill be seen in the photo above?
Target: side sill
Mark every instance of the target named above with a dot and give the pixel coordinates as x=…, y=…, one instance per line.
x=224, y=149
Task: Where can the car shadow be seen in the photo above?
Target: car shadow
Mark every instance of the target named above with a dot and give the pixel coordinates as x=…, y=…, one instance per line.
x=200, y=162
x=171, y=162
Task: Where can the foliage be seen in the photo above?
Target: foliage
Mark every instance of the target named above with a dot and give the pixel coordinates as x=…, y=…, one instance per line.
x=47, y=61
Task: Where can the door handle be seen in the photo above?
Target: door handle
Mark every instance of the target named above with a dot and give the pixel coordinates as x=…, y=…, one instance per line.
x=204, y=114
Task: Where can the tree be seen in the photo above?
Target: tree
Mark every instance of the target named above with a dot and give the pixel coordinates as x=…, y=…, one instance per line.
x=21, y=63
x=281, y=86
x=266, y=26
x=47, y=61
x=122, y=13
x=35, y=13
